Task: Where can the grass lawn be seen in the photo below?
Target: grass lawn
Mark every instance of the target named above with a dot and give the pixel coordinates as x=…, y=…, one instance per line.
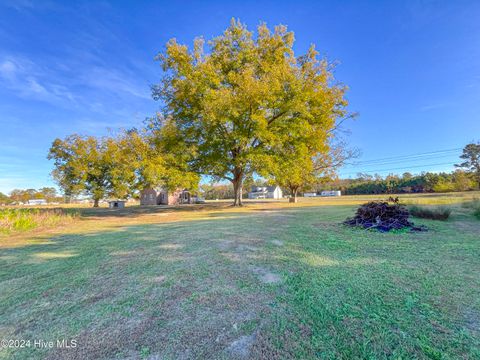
x=270, y=280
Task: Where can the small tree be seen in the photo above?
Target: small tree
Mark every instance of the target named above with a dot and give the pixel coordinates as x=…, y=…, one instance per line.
x=293, y=169
x=462, y=181
x=4, y=199
x=18, y=195
x=471, y=155
x=48, y=193
x=298, y=167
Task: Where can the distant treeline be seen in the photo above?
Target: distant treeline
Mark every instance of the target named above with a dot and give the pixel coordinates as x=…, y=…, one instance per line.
x=18, y=196
x=370, y=184
x=363, y=184
x=406, y=183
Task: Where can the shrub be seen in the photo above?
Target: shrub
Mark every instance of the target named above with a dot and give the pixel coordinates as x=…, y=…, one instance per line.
x=433, y=213
x=473, y=204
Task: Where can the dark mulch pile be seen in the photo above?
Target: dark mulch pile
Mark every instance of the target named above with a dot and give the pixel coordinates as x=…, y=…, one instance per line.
x=382, y=216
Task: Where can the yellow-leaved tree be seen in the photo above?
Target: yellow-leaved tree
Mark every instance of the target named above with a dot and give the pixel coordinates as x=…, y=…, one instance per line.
x=233, y=105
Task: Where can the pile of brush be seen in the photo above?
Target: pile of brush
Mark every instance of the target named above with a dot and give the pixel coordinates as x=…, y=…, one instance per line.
x=383, y=216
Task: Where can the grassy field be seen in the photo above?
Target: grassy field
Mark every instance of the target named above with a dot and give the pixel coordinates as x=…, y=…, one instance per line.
x=24, y=219
x=270, y=280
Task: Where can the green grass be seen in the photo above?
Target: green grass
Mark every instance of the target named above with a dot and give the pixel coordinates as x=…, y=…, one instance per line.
x=274, y=281
x=24, y=219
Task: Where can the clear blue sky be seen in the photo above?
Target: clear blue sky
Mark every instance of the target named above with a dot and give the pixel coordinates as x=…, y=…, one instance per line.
x=413, y=68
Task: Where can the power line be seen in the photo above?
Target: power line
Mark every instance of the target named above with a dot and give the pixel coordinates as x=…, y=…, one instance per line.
x=411, y=156
x=430, y=158
x=401, y=168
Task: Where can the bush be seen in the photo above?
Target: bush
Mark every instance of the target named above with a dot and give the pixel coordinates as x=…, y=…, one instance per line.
x=476, y=213
x=473, y=204
x=432, y=213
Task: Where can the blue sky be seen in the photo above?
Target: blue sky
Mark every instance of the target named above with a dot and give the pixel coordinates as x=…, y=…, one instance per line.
x=413, y=69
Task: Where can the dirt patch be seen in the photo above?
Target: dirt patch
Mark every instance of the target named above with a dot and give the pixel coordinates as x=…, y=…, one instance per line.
x=240, y=348
x=158, y=279
x=171, y=246
x=105, y=342
x=472, y=320
x=266, y=276
x=247, y=248
x=270, y=278
x=277, y=242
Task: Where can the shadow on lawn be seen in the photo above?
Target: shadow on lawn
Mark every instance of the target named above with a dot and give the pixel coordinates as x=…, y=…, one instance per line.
x=213, y=227
x=137, y=210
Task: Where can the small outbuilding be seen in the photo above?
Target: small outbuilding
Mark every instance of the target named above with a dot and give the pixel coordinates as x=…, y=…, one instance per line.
x=116, y=204
x=151, y=196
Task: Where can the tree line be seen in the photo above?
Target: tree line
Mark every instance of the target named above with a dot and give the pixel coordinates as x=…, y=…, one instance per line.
x=458, y=180
x=16, y=196
x=465, y=178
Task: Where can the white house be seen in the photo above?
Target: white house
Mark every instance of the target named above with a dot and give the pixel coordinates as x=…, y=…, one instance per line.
x=331, y=193
x=265, y=192
x=37, y=202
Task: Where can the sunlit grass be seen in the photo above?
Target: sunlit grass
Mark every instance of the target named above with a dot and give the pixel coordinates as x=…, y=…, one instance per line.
x=55, y=255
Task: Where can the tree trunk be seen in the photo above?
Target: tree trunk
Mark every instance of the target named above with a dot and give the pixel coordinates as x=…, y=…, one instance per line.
x=237, y=187
x=95, y=202
x=294, y=192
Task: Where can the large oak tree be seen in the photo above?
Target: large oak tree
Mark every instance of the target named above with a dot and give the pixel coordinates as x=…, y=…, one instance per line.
x=231, y=104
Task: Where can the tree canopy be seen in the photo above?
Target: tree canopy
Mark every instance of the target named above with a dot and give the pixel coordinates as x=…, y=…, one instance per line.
x=299, y=168
x=234, y=104
x=149, y=164
x=117, y=166
x=83, y=164
x=471, y=163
